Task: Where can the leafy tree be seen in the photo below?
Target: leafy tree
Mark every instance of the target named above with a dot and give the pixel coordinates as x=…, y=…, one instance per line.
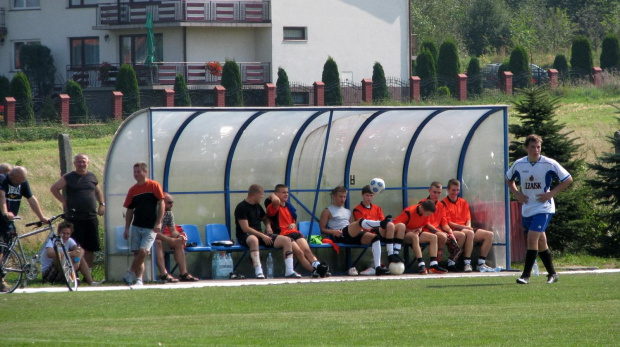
x=427, y=73
x=448, y=65
x=561, y=64
x=48, y=113
x=439, y=20
x=127, y=83
x=536, y=113
x=610, y=54
x=431, y=47
x=519, y=67
x=181, y=93
x=20, y=90
x=5, y=88
x=606, y=187
x=331, y=78
x=38, y=64
x=474, y=77
x=78, y=110
x=283, y=89
x=231, y=80
x=486, y=26
x=581, y=56
x=443, y=91
x=380, y=91
x=557, y=30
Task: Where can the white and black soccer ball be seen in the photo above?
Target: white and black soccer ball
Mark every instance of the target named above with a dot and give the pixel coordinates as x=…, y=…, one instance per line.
x=397, y=268
x=377, y=185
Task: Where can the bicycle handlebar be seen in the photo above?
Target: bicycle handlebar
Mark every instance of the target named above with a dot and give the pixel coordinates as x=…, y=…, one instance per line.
x=51, y=220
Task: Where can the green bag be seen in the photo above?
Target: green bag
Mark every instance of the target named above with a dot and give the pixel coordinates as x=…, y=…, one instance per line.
x=316, y=240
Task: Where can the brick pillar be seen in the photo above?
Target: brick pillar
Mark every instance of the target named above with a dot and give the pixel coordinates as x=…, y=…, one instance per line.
x=367, y=90
x=507, y=82
x=596, y=76
x=553, y=78
x=319, y=93
x=168, y=97
x=220, y=96
x=63, y=108
x=9, y=111
x=414, y=90
x=117, y=105
x=270, y=94
x=461, y=87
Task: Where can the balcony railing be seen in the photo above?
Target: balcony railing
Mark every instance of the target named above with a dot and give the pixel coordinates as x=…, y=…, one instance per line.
x=3, y=30
x=185, y=11
x=252, y=73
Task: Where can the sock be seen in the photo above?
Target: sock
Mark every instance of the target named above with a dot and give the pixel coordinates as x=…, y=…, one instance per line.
x=481, y=260
x=288, y=263
x=467, y=261
x=376, y=252
x=530, y=257
x=255, y=258
x=433, y=263
x=315, y=264
x=397, y=245
x=390, y=248
x=451, y=262
x=421, y=262
x=545, y=256
x=258, y=269
x=369, y=224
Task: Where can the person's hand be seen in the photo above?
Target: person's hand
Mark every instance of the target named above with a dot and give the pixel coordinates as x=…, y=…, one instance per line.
x=180, y=240
x=339, y=233
x=101, y=210
x=544, y=197
x=157, y=228
x=291, y=226
x=10, y=216
x=126, y=234
x=267, y=240
x=45, y=220
x=522, y=198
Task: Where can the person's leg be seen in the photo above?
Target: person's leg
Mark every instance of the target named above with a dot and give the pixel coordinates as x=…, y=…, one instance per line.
x=398, y=240
x=82, y=265
x=431, y=239
x=159, y=258
x=468, y=248
x=486, y=237
x=137, y=266
x=287, y=251
x=251, y=242
x=301, y=256
x=545, y=256
x=413, y=238
x=441, y=243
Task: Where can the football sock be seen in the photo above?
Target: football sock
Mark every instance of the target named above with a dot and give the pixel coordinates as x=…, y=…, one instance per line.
x=481, y=260
x=316, y=263
x=530, y=257
x=255, y=258
x=288, y=263
x=397, y=245
x=390, y=248
x=258, y=269
x=421, y=262
x=451, y=262
x=369, y=224
x=545, y=256
x=376, y=252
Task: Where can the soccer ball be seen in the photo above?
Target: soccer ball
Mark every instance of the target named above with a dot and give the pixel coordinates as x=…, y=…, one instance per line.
x=397, y=268
x=377, y=185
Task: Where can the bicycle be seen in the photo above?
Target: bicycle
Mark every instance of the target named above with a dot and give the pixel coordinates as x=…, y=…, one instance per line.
x=15, y=266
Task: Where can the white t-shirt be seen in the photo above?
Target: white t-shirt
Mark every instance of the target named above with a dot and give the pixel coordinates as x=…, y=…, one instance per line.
x=535, y=178
x=341, y=217
x=47, y=261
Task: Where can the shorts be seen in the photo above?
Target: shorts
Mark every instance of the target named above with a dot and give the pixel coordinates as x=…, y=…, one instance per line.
x=53, y=274
x=296, y=235
x=86, y=234
x=242, y=240
x=7, y=231
x=348, y=239
x=537, y=222
x=141, y=238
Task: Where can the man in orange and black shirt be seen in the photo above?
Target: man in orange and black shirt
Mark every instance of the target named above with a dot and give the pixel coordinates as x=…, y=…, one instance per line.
x=459, y=218
x=412, y=220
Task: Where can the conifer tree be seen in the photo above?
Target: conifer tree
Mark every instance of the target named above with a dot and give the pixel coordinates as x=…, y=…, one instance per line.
x=431, y=47
x=48, y=113
x=427, y=73
x=181, y=93
x=610, y=53
x=283, y=89
x=20, y=90
x=474, y=77
x=231, y=80
x=127, y=83
x=5, y=88
x=561, y=64
x=78, y=110
x=448, y=65
x=518, y=65
x=331, y=79
x=380, y=91
x=581, y=60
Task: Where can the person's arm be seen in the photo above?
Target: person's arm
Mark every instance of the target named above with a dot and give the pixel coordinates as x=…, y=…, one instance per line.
x=50, y=253
x=512, y=186
x=325, y=217
x=268, y=225
x=431, y=228
x=56, y=190
x=555, y=191
x=128, y=219
x=3, y=209
x=245, y=227
x=100, y=200
x=160, y=215
x=36, y=208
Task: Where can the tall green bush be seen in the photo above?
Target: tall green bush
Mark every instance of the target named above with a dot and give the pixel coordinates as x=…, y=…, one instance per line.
x=500, y=73
x=431, y=47
x=427, y=73
x=610, y=53
x=127, y=83
x=78, y=110
x=380, y=91
x=283, y=89
x=561, y=64
x=231, y=80
x=5, y=88
x=48, y=113
x=474, y=77
x=181, y=93
x=448, y=65
x=331, y=79
x=38, y=64
x=581, y=60
x=20, y=90
x=518, y=65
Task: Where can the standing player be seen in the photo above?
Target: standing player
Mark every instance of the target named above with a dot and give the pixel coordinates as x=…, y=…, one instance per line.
x=535, y=173
x=367, y=210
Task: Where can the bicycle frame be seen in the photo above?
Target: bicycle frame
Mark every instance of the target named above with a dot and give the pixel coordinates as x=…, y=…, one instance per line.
x=30, y=265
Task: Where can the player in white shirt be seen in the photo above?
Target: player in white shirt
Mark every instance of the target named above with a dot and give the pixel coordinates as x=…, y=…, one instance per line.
x=535, y=173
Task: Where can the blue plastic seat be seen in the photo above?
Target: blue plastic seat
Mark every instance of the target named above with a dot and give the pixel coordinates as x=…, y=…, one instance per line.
x=120, y=244
x=193, y=236
x=219, y=232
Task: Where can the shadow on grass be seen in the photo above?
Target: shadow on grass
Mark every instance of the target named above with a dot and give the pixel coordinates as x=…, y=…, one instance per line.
x=470, y=285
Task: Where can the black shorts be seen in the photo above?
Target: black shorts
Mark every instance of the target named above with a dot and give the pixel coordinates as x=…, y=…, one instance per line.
x=86, y=234
x=244, y=237
x=295, y=236
x=7, y=231
x=53, y=274
x=347, y=239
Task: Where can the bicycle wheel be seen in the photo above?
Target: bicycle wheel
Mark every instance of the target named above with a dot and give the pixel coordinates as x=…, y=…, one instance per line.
x=66, y=265
x=11, y=270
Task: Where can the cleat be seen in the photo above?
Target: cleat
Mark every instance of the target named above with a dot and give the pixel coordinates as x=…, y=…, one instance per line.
x=552, y=278
x=353, y=272
x=293, y=275
x=422, y=270
x=315, y=274
x=322, y=269
x=523, y=280
x=436, y=269
x=260, y=276
x=368, y=272
x=467, y=268
x=395, y=258
x=382, y=271
x=385, y=222
x=485, y=268
x=452, y=268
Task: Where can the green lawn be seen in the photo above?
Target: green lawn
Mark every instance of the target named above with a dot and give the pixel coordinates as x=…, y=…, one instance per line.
x=484, y=311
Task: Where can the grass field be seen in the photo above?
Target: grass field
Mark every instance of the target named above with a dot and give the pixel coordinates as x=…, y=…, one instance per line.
x=580, y=310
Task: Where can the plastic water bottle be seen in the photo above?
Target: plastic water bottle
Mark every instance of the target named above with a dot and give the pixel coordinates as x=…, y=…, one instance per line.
x=214, y=265
x=269, y=266
x=535, y=270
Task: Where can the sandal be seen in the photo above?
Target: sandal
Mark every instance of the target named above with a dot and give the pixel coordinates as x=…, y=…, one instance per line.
x=168, y=278
x=186, y=277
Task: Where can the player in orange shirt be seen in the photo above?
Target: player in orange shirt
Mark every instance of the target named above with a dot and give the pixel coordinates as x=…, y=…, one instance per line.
x=367, y=210
x=412, y=220
x=459, y=218
x=283, y=221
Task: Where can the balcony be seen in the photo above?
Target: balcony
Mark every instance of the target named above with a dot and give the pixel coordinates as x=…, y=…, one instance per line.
x=3, y=30
x=124, y=15
x=164, y=73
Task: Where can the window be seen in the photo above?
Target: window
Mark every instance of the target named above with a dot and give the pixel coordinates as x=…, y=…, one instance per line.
x=134, y=50
x=17, y=46
x=84, y=3
x=84, y=51
x=295, y=34
x=19, y=4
